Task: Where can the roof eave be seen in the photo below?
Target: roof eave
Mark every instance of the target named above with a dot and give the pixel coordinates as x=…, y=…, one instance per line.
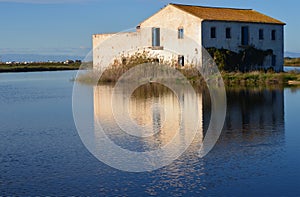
x=258, y=22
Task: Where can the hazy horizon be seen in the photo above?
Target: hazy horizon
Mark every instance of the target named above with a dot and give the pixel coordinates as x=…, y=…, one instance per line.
x=59, y=58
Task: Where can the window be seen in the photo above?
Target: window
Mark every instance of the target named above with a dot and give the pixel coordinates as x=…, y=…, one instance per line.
x=273, y=60
x=212, y=32
x=181, y=60
x=261, y=34
x=155, y=37
x=273, y=35
x=180, y=33
x=228, y=32
x=245, y=35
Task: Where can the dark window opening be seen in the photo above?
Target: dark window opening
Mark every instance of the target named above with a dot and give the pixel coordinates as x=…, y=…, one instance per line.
x=181, y=60
x=124, y=61
x=245, y=36
x=228, y=32
x=273, y=60
x=261, y=34
x=212, y=32
x=273, y=35
x=155, y=37
x=180, y=33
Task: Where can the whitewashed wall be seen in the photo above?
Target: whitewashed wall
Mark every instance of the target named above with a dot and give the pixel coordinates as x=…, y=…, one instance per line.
x=170, y=19
x=107, y=47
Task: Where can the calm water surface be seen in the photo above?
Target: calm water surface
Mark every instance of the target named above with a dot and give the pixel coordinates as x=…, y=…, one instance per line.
x=41, y=152
x=290, y=68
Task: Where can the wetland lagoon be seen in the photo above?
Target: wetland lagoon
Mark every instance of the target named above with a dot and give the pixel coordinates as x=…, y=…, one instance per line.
x=41, y=152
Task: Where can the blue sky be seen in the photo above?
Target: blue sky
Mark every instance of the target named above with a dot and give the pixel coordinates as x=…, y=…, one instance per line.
x=65, y=27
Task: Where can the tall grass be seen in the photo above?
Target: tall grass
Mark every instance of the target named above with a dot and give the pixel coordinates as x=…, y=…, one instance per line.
x=125, y=63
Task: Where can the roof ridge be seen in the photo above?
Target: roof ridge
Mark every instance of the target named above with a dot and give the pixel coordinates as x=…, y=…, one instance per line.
x=209, y=6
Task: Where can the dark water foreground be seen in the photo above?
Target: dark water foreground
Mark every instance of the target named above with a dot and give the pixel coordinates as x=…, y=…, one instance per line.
x=41, y=152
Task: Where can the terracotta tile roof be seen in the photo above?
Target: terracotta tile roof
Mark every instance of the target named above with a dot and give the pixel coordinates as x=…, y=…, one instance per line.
x=227, y=14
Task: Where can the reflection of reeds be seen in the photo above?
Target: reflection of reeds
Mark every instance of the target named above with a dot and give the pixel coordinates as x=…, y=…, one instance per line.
x=254, y=89
x=151, y=90
x=156, y=90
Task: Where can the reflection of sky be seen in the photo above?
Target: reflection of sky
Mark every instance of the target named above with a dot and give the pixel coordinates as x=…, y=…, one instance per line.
x=287, y=68
x=292, y=136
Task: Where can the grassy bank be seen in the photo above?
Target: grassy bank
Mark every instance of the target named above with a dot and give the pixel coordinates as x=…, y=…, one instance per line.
x=235, y=78
x=261, y=78
x=31, y=67
x=249, y=79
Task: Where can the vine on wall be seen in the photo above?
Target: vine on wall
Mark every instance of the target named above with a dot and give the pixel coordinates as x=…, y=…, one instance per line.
x=245, y=60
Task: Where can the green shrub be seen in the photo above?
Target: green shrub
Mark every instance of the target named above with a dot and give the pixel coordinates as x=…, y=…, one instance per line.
x=245, y=60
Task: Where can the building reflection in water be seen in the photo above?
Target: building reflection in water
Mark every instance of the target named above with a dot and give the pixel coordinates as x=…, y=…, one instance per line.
x=252, y=111
x=251, y=140
x=154, y=106
x=251, y=146
x=255, y=114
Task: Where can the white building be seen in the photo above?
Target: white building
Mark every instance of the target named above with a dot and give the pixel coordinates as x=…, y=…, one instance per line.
x=178, y=32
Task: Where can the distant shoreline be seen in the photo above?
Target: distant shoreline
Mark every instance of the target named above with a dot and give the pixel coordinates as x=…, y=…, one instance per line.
x=40, y=69
x=75, y=65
